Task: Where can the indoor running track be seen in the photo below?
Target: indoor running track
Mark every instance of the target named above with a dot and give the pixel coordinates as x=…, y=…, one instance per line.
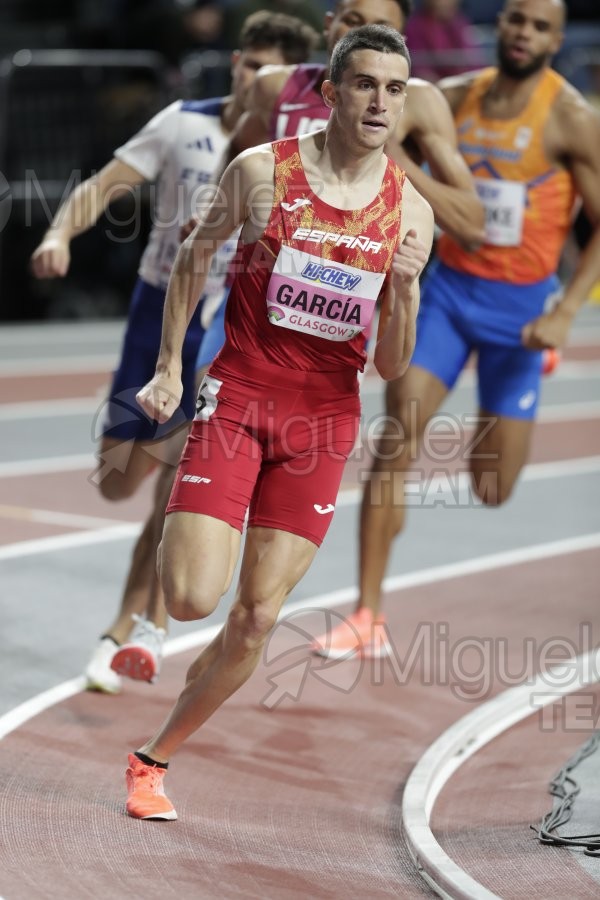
x=295, y=787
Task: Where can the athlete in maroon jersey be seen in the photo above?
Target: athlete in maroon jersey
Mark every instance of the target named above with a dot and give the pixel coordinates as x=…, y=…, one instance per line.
x=329, y=223
x=300, y=107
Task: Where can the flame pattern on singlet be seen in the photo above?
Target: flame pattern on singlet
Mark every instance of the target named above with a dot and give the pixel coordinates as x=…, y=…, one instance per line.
x=304, y=293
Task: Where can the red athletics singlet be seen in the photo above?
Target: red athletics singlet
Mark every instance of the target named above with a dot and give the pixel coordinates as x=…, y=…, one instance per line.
x=306, y=291
x=299, y=107
x=278, y=413
x=528, y=200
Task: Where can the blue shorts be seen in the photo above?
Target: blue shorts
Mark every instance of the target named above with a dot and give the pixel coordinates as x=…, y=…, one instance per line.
x=461, y=313
x=214, y=336
x=121, y=417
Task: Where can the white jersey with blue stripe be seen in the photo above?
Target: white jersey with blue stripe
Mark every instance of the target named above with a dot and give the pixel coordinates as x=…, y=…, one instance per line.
x=180, y=149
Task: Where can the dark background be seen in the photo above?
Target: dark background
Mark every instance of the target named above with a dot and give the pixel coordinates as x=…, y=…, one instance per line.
x=79, y=77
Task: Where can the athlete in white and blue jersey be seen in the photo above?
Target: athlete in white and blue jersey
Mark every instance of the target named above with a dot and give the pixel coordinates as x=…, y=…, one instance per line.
x=179, y=150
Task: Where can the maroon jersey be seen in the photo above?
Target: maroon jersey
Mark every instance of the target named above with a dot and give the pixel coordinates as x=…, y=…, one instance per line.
x=300, y=107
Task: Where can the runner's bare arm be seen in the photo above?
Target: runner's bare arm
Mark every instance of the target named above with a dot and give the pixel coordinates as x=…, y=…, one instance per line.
x=82, y=209
x=397, y=321
x=254, y=127
x=449, y=188
x=574, y=137
x=228, y=209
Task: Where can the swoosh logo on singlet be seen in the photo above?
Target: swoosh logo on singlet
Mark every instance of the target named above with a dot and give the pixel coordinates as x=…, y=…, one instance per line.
x=291, y=107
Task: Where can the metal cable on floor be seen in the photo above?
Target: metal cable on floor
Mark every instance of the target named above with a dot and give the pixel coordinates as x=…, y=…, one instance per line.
x=565, y=788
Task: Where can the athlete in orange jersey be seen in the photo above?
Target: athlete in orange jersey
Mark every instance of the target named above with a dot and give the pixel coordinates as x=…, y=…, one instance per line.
x=532, y=144
x=329, y=224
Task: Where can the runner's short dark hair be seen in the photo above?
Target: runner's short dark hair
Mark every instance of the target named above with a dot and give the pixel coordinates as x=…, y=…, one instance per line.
x=381, y=38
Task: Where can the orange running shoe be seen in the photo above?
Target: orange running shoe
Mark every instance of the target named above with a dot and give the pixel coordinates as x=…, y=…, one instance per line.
x=359, y=634
x=146, y=796
x=378, y=647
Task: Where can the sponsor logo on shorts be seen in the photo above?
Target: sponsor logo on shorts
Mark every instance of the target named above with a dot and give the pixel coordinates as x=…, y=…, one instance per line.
x=196, y=479
x=324, y=510
x=527, y=400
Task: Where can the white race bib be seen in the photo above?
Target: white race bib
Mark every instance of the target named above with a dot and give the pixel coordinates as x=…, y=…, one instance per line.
x=504, y=203
x=317, y=296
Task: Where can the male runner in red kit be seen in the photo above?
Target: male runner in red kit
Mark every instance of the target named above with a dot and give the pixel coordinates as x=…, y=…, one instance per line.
x=286, y=100
x=330, y=223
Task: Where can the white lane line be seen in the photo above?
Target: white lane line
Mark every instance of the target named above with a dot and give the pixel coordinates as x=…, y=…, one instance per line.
x=79, y=406
x=67, y=335
x=54, y=517
x=105, y=363
x=71, y=365
x=567, y=371
x=22, y=713
x=459, y=742
x=30, y=708
x=68, y=541
x=49, y=409
x=569, y=412
x=428, y=492
x=559, y=468
x=47, y=465
x=448, y=753
x=584, y=336
x=571, y=370
x=501, y=560
x=430, y=488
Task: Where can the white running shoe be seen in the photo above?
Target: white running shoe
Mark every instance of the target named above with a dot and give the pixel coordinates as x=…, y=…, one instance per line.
x=141, y=656
x=98, y=675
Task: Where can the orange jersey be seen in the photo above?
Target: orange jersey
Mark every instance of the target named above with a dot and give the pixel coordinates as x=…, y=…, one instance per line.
x=528, y=200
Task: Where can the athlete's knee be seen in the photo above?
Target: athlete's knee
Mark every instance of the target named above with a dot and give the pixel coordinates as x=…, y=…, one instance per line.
x=384, y=491
x=396, y=446
x=186, y=600
x=491, y=487
x=252, y=622
x=116, y=486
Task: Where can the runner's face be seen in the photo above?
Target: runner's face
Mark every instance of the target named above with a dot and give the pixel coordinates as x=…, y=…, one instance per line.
x=244, y=66
x=354, y=13
x=529, y=34
x=370, y=97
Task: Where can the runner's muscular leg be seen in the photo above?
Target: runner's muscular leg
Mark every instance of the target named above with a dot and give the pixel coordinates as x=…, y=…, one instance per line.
x=273, y=563
x=155, y=610
x=142, y=591
x=497, y=454
x=410, y=402
x=123, y=465
x=142, y=572
x=196, y=561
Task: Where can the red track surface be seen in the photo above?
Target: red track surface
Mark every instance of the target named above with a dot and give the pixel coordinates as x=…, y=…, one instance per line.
x=300, y=800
